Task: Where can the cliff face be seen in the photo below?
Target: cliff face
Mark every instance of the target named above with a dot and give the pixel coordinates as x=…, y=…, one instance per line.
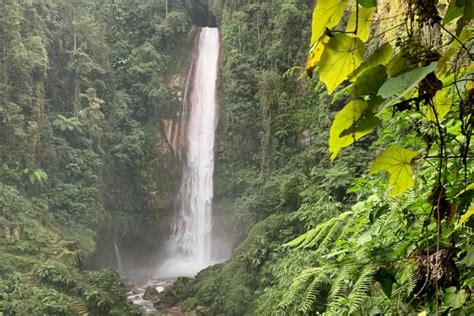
x=141, y=232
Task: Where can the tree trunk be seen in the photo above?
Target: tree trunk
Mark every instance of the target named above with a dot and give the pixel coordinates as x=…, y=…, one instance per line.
x=76, y=77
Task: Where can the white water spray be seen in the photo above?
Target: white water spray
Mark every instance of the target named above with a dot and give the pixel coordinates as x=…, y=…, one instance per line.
x=190, y=243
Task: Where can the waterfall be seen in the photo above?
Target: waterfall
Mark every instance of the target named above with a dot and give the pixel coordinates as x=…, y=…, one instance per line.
x=190, y=244
x=118, y=259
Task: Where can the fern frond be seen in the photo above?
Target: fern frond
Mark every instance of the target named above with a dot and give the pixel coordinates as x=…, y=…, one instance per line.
x=310, y=234
x=311, y=293
x=341, y=94
x=333, y=234
x=412, y=280
x=341, y=304
x=324, y=228
x=311, y=238
x=297, y=286
x=361, y=289
x=340, y=285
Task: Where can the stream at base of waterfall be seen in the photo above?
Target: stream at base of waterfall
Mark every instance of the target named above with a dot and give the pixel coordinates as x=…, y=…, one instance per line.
x=189, y=248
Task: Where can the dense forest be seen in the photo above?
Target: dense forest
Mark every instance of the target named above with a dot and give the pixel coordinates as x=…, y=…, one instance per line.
x=343, y=156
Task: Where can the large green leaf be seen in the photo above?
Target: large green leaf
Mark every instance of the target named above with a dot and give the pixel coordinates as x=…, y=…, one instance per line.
x=381, y=56
x=453, y=298
x=469, y=187
x=353, y=114
x=466, y=17
x=364, y=20
x=468, y=260
x=405, y=82
x=397, y=65
x=369, y=81
x=343, y=54
x=364, y=125
x=368, y=3
x=397, y=162
x=455, y=10
x=326, y=14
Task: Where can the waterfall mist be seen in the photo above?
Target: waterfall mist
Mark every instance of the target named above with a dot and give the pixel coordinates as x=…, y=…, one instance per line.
x=189, y=246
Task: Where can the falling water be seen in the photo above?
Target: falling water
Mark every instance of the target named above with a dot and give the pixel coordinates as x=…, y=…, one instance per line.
x=190, y=244
x=118, y=258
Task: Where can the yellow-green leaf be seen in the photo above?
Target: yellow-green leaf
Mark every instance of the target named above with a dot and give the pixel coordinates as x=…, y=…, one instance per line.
x=468, y=188
x=326, y=14
x=364, y=20
x=349, y=116
x=468, y=259
x=469, y=86
x=451, y=51
x=397, y=162
x=315, y=53
x=442, y=103
x=466, y=216
x=343, y=54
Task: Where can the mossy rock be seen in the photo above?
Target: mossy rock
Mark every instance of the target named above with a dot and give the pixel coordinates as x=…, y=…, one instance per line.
x=181, y=289
x=151, y=294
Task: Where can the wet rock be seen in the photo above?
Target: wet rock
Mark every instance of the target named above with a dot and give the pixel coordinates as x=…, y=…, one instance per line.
x=202, y=310
x=151, y=294
x=158, y=304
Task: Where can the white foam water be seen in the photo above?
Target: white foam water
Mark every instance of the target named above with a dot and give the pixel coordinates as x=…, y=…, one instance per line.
x=189, y=246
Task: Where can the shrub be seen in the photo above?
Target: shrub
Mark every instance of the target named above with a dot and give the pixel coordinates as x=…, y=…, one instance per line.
x=57, y=274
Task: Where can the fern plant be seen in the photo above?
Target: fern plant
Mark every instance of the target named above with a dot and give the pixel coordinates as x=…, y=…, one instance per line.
x=362, y=255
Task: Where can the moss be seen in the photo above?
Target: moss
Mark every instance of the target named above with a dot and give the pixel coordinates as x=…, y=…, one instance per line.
x=181, y=289
x=189, y=304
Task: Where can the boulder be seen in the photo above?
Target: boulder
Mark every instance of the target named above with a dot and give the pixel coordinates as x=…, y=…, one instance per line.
x=151, y=294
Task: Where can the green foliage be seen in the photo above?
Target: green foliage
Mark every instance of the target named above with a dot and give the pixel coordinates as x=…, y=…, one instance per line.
x=454, y=299
x=86, y=85
x=65, y=123
x=57, y=274
x=190, y=304
x=35, y=175
x=84, y=88
x=53, y=303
